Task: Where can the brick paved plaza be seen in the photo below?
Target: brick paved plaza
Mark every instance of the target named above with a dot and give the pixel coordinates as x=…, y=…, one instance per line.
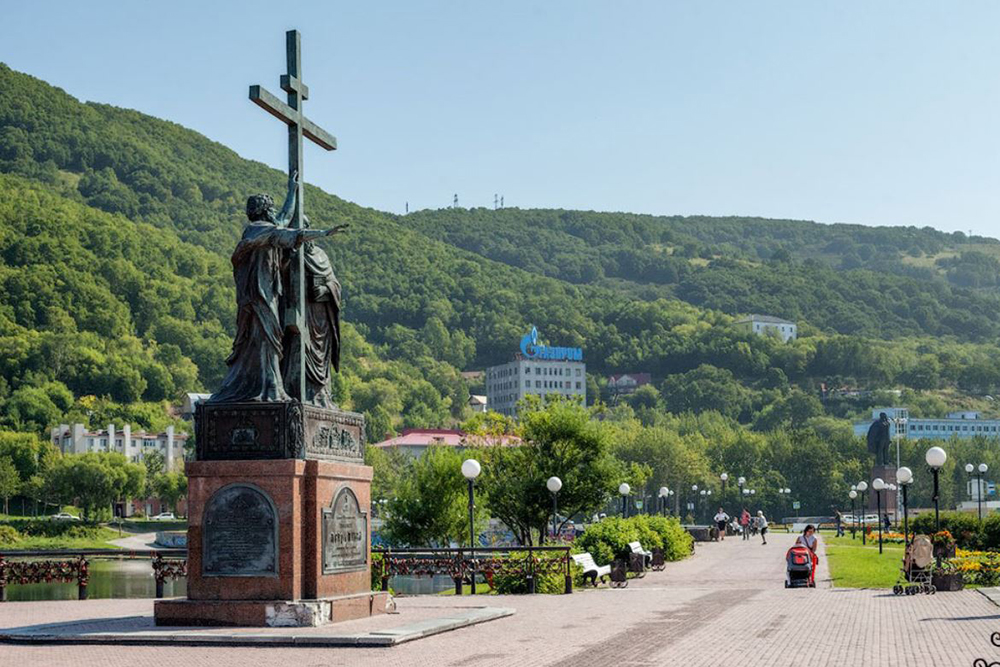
x=725, y=606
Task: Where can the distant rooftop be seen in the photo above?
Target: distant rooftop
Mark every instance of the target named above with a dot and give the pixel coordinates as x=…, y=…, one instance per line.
x=763, y=318
x=424, y=437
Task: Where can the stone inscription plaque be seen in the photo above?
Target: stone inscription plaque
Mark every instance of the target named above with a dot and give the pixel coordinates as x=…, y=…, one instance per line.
x=345, y=534
x=239, y=534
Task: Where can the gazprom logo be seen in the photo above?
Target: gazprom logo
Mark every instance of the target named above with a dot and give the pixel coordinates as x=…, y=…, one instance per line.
x=531, y=349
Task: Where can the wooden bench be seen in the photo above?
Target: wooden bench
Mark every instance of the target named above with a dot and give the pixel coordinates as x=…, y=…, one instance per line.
x=647, y=556
x=591, y=570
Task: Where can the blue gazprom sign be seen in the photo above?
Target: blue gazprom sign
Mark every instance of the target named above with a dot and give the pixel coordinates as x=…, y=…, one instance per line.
x=532, y=349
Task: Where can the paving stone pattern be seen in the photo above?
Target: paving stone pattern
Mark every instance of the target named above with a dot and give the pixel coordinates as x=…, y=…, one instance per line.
x=725, y=606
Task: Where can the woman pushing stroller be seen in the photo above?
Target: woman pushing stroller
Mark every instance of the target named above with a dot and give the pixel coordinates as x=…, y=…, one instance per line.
x=809, y=540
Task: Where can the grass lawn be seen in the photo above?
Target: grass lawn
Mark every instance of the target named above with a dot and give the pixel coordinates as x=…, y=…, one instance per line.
x=855, y=566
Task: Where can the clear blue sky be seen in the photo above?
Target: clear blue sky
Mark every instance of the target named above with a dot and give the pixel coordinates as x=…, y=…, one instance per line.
x=866, y=112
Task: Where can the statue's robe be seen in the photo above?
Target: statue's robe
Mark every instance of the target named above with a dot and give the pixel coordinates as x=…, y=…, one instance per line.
x=255, y=363
x=879, y=441
x=323, y=324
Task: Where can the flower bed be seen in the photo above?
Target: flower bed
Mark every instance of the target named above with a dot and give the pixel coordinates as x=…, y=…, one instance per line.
x=981, y=568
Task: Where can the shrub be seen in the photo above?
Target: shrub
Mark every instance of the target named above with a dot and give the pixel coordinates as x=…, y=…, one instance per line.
x=991, y=532
x=963, y=526
x=675, y=541
x=376, y=571
x=513, y=579
x=9, y=536
x=608, y=539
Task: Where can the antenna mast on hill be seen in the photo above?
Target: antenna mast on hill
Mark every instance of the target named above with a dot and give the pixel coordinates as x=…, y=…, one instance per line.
x=454, y=202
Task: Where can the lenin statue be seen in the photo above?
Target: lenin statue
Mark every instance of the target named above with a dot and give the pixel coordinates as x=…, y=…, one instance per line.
x=878, y=439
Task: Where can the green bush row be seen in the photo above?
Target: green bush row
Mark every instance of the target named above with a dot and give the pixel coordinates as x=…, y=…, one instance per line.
x=609, y=538
x=965, y=527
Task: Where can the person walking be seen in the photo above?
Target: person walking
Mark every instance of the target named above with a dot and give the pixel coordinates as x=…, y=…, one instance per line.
x=745, y=523
x=762, y=526
x=721, y=519
x=840, y=523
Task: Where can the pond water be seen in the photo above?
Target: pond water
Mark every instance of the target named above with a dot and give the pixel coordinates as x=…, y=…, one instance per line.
x=134, y=579
x=108, y=579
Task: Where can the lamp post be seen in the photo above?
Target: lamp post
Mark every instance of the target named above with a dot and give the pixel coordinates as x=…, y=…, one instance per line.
x=862, y=487
x=854, y=517
x=979, y=487
x=664, y=492
x=905, y=477
x=969, y=470
x=553, y=485
x=936, y=458
x=624, y=489
x=724, y=477
x=879, y=485
x=471, y=470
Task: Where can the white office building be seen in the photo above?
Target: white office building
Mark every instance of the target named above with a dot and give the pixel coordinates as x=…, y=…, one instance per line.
x=967, y=424
x=765, y=325
x=76, y=439
x=537, y=370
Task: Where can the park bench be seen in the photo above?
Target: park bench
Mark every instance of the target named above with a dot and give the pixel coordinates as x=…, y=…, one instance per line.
x=591, y=570
x=647, y=556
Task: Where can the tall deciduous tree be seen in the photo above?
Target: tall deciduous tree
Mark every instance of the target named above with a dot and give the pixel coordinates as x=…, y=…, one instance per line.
x=430, y=506
x=558, y=440
x=10, y=481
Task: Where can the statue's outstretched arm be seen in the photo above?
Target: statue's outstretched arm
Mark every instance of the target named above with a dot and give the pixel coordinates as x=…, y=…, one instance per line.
x=289, y=207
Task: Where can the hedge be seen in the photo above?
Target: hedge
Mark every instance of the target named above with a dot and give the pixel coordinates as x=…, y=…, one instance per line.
x=609, y=538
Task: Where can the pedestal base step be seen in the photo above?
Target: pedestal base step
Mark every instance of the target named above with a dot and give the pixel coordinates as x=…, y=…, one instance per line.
x=270, y=613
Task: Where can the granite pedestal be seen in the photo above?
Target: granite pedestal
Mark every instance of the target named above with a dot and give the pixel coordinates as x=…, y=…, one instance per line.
x=277, y=540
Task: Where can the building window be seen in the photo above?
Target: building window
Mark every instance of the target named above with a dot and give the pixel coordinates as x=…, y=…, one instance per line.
x=527, y=370
x=538, y=384
x=527, y=383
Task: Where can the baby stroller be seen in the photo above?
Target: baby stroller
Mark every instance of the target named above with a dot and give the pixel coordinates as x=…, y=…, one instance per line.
x=915, y=577
x=799, y=568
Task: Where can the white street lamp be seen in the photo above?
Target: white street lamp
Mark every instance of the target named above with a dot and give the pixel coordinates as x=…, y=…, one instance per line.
x=936, y=458
x=553, y=484
x=624, y=489
x=471, y=470
x=879, y=485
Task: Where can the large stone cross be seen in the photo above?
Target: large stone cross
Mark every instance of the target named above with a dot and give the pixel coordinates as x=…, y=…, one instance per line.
x=298, y=126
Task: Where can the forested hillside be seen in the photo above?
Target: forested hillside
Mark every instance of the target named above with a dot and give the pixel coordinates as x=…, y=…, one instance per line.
x=116, y=227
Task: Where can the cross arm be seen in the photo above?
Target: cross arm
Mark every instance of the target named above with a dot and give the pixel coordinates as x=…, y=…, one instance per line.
x=290, y=116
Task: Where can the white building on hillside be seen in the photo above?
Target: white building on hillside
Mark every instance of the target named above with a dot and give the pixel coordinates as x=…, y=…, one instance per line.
x=764, y=325
x=538, y=370
x=76, y=439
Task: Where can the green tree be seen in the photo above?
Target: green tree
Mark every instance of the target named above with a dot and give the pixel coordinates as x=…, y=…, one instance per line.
x=430, y=506
x=558, y=439
x=10, y=481
x=95, y=480
x=170, y=487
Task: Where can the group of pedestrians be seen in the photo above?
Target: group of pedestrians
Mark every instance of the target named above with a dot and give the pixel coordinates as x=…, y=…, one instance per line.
x=745, y=524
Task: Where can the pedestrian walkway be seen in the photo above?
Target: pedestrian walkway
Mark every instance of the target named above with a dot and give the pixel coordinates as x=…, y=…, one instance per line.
x=725, y=606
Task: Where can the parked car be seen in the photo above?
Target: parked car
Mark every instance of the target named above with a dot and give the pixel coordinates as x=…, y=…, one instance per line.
x=64, y=516
x=164, y=516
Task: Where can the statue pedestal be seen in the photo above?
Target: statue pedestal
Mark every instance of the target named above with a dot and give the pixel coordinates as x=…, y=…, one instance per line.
x=888, y=475
x=274, y=539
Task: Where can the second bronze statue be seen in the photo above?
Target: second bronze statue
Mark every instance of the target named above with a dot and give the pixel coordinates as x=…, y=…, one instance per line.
x=262, y=362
